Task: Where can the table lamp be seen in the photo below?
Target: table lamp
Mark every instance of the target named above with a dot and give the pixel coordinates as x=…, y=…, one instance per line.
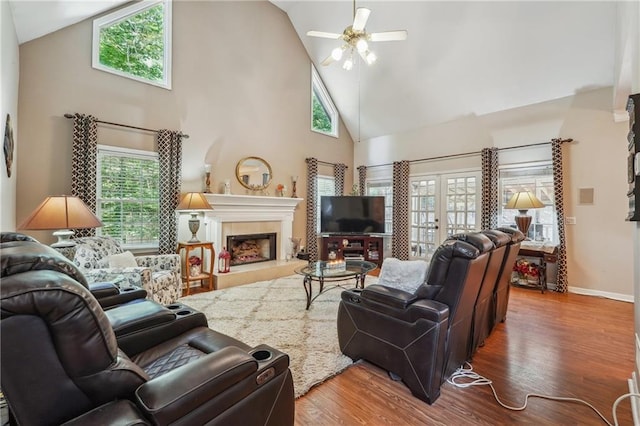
x=523, y=201
x=194, y=202
x=64, y=213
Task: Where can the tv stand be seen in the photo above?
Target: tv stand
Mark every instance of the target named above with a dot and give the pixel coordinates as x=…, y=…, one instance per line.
x=352, y=247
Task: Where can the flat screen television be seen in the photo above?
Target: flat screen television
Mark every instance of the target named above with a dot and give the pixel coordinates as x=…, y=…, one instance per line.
x=352, y=214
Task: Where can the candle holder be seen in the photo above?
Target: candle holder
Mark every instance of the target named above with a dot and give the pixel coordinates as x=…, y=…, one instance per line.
x=294, y=179
x=207, y=178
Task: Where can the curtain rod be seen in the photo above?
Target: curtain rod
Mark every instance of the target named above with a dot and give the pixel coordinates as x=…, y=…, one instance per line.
x=326, y=163
x=67, y=115
x=465, y=154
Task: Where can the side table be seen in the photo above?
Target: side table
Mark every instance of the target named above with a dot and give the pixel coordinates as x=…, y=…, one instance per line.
x=206, y=274
x=545, y=255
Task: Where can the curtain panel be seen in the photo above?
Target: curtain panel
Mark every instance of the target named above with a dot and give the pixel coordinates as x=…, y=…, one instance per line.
x=362, y=180
x=84, y=164
x=338, y=176
x=400, y=238
x=558, y=190
x=170, y=165
x=490, y=195
x=312, y=221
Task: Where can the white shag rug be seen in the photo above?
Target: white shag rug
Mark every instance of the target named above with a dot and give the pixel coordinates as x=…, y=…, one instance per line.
x=273, y=313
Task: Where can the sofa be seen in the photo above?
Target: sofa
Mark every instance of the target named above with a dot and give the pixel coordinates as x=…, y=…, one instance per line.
x=62, y=363
x=159, y=275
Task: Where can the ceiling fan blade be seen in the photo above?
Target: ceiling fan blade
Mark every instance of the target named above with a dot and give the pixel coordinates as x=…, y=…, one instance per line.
x=323, y=34
x=328, y=61
x=389, y=36
x=360, y=20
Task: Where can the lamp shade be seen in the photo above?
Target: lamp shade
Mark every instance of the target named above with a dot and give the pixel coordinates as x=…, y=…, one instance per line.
x=524, y=200
x=194, y=201
x=61, y=212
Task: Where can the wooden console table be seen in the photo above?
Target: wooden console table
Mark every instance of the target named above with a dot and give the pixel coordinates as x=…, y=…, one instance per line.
x=546, y=255
x=206, y=274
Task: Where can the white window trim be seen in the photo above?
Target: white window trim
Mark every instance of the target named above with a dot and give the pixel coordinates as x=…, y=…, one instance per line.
x=132, y=153
x=122, y=14
x=325, y=99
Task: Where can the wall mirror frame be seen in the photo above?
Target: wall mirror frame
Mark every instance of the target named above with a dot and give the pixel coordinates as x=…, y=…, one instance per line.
x=254, y=173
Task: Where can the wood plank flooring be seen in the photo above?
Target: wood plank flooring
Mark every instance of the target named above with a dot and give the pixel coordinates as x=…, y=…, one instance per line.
x=553, y=344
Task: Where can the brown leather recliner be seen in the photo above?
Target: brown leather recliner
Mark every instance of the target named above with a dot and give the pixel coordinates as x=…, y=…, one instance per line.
x=484, y=310
x=501, y=295
x=60, y=362
x=422, y=337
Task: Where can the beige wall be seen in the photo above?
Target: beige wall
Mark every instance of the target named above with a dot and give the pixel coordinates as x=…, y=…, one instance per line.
x=8, y=105
x=241, y=87
x=600, y=246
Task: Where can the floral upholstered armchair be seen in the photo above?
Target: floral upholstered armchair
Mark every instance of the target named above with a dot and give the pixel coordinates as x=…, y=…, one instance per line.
x=103, y=259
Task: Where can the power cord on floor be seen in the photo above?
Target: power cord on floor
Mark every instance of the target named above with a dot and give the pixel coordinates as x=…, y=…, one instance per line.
x=465, y=377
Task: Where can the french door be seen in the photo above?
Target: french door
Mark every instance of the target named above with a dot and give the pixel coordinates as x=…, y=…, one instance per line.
x=442, y=205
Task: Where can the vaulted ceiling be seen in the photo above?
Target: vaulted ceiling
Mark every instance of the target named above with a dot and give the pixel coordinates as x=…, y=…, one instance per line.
x=460, y=58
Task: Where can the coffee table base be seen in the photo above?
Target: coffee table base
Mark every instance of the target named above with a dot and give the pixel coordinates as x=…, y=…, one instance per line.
x=308, y=287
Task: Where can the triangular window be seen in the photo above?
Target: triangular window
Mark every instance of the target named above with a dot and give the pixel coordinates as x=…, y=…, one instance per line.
x=135, y=42
x=324, y=115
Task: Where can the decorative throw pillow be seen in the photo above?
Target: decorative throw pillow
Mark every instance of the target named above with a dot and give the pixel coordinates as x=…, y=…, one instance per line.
x=122, y=260
x=405, y=275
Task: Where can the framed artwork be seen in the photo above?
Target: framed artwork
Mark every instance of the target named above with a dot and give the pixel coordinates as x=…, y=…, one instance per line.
x=8, y=145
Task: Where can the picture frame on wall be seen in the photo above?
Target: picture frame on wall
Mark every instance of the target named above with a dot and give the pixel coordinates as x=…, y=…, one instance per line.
x=8, y=145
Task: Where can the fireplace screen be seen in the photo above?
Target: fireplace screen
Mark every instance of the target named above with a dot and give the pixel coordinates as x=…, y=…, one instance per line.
x=252, y=248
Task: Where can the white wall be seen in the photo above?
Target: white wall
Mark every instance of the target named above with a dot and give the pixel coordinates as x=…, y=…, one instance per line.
x=9, y=70
x=600, y=246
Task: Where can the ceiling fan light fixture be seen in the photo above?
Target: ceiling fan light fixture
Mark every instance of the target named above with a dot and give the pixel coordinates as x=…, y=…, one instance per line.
x=336, y=53
x=371, y=58
x=362, y=45
x=348, y=64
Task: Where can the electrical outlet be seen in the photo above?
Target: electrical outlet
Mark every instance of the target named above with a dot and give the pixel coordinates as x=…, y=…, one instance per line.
x=570, y=220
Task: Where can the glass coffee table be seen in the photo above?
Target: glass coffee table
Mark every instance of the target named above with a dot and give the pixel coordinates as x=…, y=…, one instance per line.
x=325, y=271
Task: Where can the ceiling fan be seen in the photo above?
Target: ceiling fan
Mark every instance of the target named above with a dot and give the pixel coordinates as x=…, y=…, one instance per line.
x=356, y=38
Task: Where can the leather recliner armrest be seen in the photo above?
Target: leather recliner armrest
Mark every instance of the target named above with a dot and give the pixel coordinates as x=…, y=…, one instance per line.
x=103, y=289
x=110, y=294
x=177, y=393
x=391, y=302
x=122, y=412
x=389, y=296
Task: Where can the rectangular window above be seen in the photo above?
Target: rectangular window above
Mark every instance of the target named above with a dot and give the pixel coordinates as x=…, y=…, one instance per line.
x=127, y=197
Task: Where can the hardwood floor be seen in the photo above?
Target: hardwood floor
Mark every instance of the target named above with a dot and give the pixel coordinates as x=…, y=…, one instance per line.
x=553, y=344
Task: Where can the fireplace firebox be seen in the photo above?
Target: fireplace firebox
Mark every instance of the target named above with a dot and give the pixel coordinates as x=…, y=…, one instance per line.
x=251, y=248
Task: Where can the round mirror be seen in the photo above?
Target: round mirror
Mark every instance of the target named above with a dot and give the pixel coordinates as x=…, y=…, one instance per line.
x=253, y=173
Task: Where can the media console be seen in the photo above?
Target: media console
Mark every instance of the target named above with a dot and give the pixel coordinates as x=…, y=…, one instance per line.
x=352, y=247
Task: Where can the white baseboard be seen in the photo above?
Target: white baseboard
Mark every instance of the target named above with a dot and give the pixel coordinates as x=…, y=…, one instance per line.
x=598, y=293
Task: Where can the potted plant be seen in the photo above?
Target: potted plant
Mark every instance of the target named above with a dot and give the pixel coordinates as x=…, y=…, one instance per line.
x=195, y=266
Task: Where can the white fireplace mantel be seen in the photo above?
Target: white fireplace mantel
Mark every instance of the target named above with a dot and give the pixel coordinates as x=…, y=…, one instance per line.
x=250, y=208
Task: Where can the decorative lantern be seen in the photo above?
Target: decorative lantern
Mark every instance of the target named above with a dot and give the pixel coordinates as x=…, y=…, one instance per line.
x=224, y=261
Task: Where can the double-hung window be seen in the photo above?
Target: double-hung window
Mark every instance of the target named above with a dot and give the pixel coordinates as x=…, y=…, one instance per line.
x=384, y=188
x=326, y=187
x=127, y=196
x=537, y=178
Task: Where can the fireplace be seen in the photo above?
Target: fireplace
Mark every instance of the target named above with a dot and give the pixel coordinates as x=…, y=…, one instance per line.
x=251, y=248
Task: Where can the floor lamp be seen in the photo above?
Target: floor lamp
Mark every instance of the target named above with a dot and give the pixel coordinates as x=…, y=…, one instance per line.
x=523, y=201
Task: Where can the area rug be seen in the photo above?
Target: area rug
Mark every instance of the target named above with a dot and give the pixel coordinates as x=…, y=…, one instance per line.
x=273, y=312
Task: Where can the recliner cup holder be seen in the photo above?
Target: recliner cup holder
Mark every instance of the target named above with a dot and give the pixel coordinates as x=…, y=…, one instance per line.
x=262, y=355
x=174, y=306
x=183, y=312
